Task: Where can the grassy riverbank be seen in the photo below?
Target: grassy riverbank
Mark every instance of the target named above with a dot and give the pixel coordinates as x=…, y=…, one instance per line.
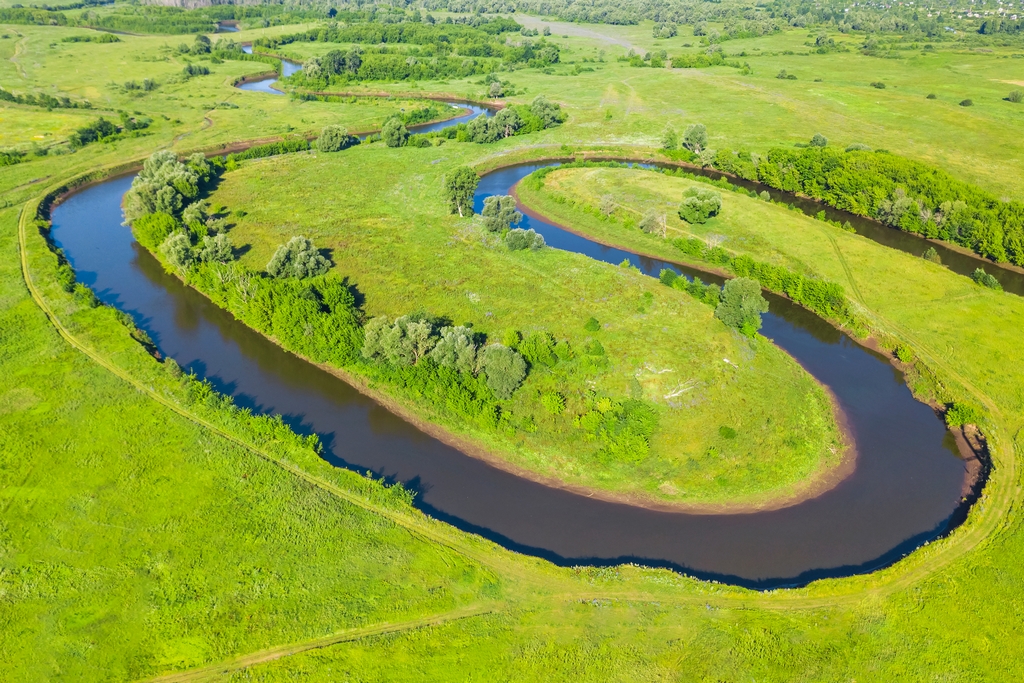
x=389, y=231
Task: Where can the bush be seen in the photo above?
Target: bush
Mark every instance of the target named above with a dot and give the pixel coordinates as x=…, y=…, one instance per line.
x=699, y=205
x=394, y=133
x=931, y=255
x=504, y=369
x=299, y=259
x=518, y=239
x=335, y=139
x=152, y=229
x=592, y=325
x=1016, y=96
x=932, y=96
x=216, y=249
x=858, y=147
x=742, y=305
x=878, y=84
x=819, y=140
x=177, y=249
x=986, y=279
x=960, y=414
x=553, y=402
x=966, y=103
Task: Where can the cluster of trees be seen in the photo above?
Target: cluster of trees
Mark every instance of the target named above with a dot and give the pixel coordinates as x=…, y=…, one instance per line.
x=499, y=214
x=298, y=259
x=103, y=130
x=516, y=119
x=167, y=185
x=410, y=340
x=901, y=193
x=624, y=428
x=43, y=100
x=700, y=204
x=335, y=139
x=739, y=304
x=703, y=60
x=92, y=38
x=437, y=51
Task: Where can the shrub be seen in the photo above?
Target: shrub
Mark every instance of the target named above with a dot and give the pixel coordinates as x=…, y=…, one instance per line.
x=335, y=139
x=518, y=239
x=765, y=196
x=592, y=325
x=1016, y=96
x=858, y=147
x=966, y=103
x=960, y=414
x=700, y=204
x=455, y=349
x=931, y=255
x=177, y=249
x=932, y=96
x=650, y=223
x=299, y=259
x=878, y=84
x=504, y=369
x=152, y=229
x=216, y=249
x=539, y=348
x=986, y=279
x=394, y=133
x=819, y=140
x=742, y=305
x=553, y=402
x=903, y=353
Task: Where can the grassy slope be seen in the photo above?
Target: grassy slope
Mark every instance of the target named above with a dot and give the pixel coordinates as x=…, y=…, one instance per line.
x=939, y=614
x=389, y=231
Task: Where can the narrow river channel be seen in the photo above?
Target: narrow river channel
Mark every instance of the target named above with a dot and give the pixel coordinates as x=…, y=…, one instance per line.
x=906, y=488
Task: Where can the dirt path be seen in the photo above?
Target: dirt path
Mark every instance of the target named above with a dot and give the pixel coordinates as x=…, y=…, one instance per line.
x=279, y=652
x=19, y=50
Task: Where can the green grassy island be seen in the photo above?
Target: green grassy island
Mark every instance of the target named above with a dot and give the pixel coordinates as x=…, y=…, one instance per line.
x=152, y=528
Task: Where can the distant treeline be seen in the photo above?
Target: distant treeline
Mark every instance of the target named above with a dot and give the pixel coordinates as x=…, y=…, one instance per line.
x=43, y=100
x=435, y=51
x=159, y=19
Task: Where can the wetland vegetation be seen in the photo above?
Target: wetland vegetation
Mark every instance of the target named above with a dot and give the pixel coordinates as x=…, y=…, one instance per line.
x=152, y=525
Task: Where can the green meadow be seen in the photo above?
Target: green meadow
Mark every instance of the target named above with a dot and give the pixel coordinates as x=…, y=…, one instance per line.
x=145, y=532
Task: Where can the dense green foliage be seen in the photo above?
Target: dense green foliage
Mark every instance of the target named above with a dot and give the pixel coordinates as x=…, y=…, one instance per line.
x=699, y=205
x=518, y=239
x=741, y=305
x=411, y=51
x=902, y=193
x=335, y=139
x=459, y=188
x=499, y=213
x=44, y=100
x=299, y=259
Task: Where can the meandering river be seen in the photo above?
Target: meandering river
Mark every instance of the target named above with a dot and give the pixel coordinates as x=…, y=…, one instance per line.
x=906, y=488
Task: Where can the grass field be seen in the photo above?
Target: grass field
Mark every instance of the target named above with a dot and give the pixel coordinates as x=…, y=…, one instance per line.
x=135, y=540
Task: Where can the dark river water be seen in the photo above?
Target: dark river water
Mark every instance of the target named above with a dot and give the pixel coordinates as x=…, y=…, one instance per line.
x=905, y=490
